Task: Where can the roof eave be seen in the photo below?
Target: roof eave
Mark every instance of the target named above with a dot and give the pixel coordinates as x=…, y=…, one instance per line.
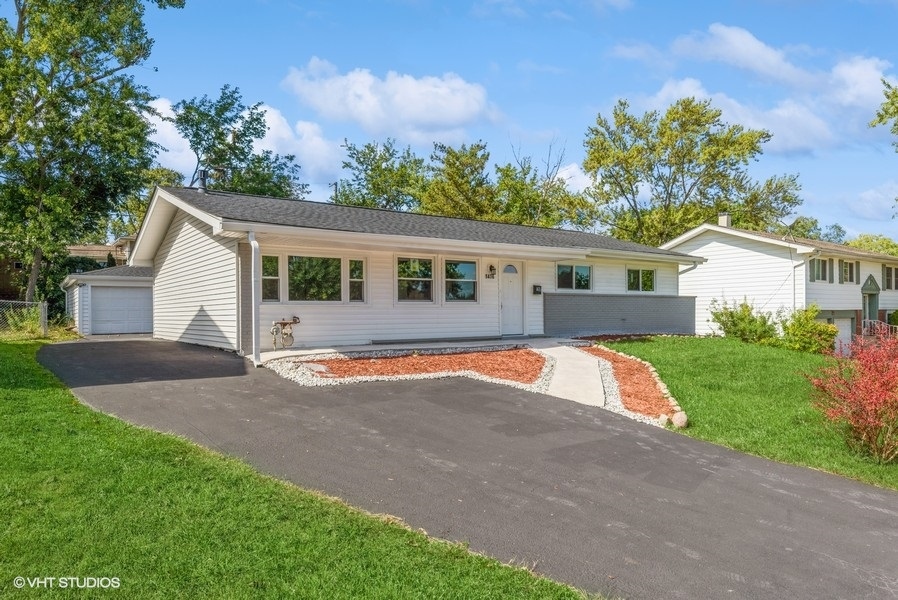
x=486, y=248
x=161, y=210
x=693, y=233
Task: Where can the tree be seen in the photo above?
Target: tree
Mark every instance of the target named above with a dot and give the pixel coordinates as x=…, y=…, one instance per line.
x=657, y=176
x=887, y=114
x=460, y=185
x=221, y=133
x=126, y=219
x=872, y=242
x=809, y=228
x=382, y=177
x=72, y=122
x=529, y=196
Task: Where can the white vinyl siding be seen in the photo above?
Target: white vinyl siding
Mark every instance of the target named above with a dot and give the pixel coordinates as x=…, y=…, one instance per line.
x=195, y=289
x=380, y=316
x=738, y=269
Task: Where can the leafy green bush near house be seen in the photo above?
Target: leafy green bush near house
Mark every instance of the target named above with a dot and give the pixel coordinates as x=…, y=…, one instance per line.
x=797, y=330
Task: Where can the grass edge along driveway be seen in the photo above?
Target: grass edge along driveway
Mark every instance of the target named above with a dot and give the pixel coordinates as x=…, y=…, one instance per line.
x=87, y=495
x=754, y=399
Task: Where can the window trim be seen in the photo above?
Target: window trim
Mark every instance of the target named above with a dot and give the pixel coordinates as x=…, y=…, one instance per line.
x=434, y=292
x=350, y=280
x=446, y=280
x=640, y=270
x=278, y=278
x=283, y=256
x=574, y=288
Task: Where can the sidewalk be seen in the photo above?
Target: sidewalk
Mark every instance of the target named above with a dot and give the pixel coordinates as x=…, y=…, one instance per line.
x=576, y=376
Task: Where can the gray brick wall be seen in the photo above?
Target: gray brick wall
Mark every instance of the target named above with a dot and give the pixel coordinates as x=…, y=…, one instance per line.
x=594, y=314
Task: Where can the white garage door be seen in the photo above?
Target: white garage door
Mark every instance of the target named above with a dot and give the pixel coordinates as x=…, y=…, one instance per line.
x=121, y=310
x=846, y=332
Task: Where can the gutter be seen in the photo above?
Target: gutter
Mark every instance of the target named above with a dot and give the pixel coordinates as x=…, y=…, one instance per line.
x=255, y=297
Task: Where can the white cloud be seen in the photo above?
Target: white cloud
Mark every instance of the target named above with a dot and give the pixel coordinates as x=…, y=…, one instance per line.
x=416, y=110
x=320, y=158
x=876, y=204
x=573, y=175
x=857, y=82
x=177, y=154
x=795, y=126
x=739, y=47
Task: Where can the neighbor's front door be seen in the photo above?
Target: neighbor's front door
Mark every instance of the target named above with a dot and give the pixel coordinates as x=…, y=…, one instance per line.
x=512, y=298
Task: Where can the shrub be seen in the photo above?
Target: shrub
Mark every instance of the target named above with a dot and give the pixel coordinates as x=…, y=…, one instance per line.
x=24, y=321
x=860, y=394
x=740, y=320
x=803, y=332
x=893, y=317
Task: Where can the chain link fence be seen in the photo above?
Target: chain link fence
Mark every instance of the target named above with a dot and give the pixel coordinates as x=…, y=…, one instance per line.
x=22, y=320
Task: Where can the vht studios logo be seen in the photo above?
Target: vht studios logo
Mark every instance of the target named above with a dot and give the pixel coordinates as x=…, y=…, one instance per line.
x=82, y=583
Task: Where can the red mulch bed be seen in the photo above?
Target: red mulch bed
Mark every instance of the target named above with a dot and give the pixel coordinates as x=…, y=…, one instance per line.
x=638, y=388
x=521, y=365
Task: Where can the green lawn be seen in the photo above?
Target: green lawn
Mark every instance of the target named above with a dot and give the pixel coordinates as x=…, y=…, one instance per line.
x=86, y=495
x=754, y=399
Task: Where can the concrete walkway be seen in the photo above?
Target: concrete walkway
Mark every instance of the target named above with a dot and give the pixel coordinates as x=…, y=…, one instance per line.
x=576, y=376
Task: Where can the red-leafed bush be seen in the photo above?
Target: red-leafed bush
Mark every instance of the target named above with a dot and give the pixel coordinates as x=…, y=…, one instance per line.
x=860, y=393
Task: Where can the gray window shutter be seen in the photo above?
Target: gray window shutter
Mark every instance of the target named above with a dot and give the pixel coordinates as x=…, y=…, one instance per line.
x=883, y=277
x=841, y=271
x=811, y=268
x=857, y=272
x=830, y=270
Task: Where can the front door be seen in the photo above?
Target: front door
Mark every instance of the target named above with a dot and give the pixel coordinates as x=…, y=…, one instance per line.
x=511, y=296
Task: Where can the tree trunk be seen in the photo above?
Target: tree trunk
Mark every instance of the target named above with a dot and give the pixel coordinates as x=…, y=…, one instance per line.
x=32, y=277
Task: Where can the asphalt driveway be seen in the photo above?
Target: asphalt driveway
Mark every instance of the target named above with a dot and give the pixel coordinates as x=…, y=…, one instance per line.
x=579, y=494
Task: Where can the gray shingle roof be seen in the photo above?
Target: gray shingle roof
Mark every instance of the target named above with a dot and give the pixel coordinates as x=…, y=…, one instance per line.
x=824, y=247
x=120, y=271
x=333, y=217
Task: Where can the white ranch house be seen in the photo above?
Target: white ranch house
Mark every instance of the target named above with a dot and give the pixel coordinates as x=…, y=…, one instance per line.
x=774, y=272
x=225, y=266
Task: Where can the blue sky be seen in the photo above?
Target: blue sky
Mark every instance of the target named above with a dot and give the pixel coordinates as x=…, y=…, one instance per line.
x=527, y=74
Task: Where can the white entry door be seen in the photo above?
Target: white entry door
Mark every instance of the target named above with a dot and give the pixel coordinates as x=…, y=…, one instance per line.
x=511, y=292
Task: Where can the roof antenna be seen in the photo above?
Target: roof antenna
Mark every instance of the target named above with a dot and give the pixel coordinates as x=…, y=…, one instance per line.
x=201, y=184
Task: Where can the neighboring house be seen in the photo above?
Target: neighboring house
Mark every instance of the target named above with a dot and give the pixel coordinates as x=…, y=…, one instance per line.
x=227, y=265
x=774, y=272
x=10, y=274
x=113, y=300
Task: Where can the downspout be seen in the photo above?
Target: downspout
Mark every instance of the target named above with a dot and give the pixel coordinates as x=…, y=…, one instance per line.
x=694, y=266
x=255, y=295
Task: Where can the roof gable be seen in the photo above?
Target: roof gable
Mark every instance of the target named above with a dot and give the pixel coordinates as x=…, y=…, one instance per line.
x=800, y=245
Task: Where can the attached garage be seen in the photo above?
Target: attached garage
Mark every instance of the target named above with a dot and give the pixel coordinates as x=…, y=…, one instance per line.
x=111, y=301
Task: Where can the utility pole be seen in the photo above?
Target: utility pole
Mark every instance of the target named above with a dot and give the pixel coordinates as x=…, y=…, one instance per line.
x=336, y=186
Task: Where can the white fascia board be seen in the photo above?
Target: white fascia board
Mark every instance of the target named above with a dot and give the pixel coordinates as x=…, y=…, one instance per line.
x=686, y=259
x=378, y=241
x=799, y=248
x=155, y=225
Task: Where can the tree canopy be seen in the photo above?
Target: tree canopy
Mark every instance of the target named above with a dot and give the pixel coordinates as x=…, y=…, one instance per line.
x=72, y=121
x=382, y=176
x=222, y=133
x=872, y=242
x=659, y=175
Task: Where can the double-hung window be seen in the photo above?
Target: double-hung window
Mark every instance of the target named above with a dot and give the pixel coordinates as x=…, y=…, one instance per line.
x=849, y=271
x=573, y=277
x=356, y=280
x=414, y=279
x=888, y=278
x=271, y=279
x=461, y=281
x=640, y=280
